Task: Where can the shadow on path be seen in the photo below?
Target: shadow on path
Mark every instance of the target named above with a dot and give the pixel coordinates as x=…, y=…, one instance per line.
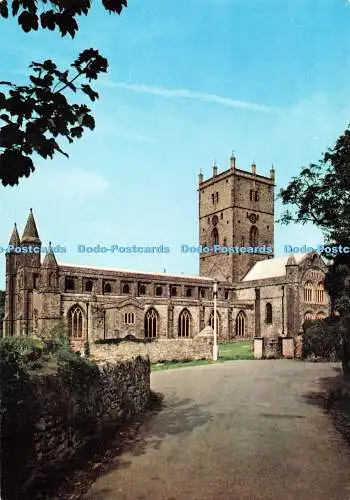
x=333, y=396
x=103, y=453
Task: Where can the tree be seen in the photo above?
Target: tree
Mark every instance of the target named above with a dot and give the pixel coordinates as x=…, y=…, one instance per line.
x=321, y=195
x=37, y=114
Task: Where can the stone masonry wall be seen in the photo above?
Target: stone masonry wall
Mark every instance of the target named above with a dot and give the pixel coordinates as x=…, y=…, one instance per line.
x=57, y=420
x=158, y=350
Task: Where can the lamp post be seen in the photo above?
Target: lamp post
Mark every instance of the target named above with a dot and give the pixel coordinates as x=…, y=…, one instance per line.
x=215, y=344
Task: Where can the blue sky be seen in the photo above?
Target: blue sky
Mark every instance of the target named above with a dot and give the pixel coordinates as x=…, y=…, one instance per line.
x=188, y=83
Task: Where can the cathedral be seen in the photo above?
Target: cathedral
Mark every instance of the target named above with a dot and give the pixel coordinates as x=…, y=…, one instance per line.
x=259, y=296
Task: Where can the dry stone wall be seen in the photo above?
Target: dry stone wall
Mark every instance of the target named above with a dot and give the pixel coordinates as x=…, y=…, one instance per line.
x=56, y=420
x=157, y=351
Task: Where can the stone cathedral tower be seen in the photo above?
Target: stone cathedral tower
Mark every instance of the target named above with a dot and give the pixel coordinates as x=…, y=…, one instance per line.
x=236, y=208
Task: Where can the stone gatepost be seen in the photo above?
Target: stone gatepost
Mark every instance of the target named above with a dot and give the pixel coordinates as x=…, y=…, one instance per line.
x=258, y=347
x=288, y=347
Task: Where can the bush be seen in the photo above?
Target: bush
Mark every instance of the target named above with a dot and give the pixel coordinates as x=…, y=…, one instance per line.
x=322, y=339
x=128, y=338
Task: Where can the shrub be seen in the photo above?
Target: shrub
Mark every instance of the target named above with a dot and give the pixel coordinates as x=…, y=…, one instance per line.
x=322, y=339
x=128, y=338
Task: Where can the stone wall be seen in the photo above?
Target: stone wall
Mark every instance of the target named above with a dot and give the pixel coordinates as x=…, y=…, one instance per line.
x=57, y=419
x=157, y=350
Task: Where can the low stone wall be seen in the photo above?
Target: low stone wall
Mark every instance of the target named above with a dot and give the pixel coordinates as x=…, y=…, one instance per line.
x=157, y=350
x=57, y=418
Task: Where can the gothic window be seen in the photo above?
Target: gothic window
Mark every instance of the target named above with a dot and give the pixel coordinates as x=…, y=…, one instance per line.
x=253, y=236
x=308, y=316
x=240, y=329
x=126, y=288
x=188, y=292
x=184, y=324
x=159, y=291
x=308, y=288
x=75, y=322
x=129, y=318
x=107, y=288
x=89, y=286
x=35, y=281
x=69, y=284
x=211, y=321
x=151, y=323
x=173, y=291
x=215, y=236
x=142, y=290
x=268, y=313
x=320, y=293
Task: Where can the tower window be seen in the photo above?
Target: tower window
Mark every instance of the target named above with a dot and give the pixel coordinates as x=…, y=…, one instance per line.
x=215, y=236
x=213, y=197
x=217, y=196
x=256, y=196
x=253, y=236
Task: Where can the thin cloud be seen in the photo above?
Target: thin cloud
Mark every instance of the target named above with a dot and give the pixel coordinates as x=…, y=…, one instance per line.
x=191, y=94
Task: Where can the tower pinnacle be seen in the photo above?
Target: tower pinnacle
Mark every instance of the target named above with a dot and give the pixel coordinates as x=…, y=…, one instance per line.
x=30, y=233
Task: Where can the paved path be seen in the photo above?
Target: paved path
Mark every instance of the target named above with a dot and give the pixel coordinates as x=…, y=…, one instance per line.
x=240, y=430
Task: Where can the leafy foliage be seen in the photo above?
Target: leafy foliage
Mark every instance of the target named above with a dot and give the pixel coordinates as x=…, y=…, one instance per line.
x=37, y=114
x=321, y=193
x=322, y=339
x=55, y=14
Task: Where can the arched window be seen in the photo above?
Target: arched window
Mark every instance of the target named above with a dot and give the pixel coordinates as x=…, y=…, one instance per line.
x=75, y=322
x=268, y=313
x=320, y=315
x=89, y=286
x=240, y=330
x=215, y=236
x=253, y=236
x=129, y=318
x=320, y=293
x=126, y=288
x=211, y=321
x=107, y=288
x=309, y=315
x=184, y=324
x=151, y=323
x=69, y=283
x=308, y=288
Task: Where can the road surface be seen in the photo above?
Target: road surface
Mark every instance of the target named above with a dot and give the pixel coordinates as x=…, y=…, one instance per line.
x=241, y=430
